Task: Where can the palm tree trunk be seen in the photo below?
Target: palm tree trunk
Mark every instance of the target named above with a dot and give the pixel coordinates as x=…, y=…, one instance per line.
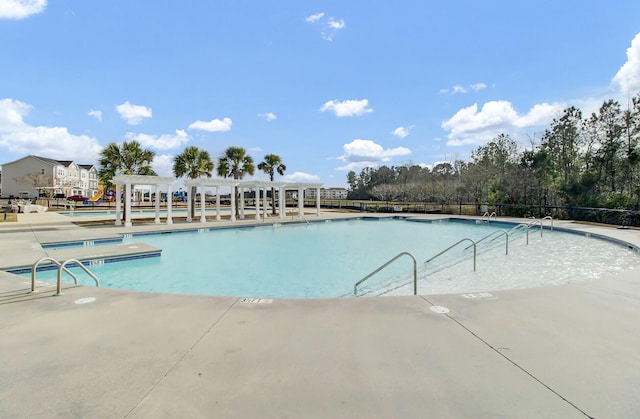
x=192, y=197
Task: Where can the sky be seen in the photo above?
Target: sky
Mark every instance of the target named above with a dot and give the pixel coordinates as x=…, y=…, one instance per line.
x=329, y=86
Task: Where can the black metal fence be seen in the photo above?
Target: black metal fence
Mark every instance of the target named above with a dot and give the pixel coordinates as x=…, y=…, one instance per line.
x=618, y=217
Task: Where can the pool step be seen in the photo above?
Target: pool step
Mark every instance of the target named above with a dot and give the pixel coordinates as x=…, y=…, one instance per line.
x=125, y=250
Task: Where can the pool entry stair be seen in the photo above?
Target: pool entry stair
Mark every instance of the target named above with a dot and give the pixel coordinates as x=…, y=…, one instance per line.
x=474, y=243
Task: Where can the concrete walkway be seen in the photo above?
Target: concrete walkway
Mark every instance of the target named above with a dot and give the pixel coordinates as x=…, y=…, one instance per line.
x=570, y=351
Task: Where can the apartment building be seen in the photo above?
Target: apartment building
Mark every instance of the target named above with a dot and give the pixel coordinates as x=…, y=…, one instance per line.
x=327, y=193
x=32, y=176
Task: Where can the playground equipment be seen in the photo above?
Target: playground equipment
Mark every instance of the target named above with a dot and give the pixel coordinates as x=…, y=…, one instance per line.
x=97, y=196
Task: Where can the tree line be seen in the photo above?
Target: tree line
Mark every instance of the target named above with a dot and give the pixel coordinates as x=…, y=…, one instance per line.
x=591, y=161
x=129, y=158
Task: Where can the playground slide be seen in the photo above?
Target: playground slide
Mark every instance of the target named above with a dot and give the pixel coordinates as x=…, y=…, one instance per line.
x=97, y=196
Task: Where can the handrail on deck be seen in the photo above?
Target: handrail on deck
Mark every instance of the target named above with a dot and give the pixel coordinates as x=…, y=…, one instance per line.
x=77, y=262
x=415, y=272
x=61, y=267
x=486, y=214
x=454, y=245
x=548, y=217
x=34, y=267
x=301, y=216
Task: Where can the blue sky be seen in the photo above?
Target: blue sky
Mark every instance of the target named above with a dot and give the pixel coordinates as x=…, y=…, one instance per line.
x=330, y=86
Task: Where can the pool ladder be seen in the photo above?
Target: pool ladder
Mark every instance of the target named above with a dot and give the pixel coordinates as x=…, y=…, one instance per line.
x=486, y=217
x=474, y=244
x=61, y=267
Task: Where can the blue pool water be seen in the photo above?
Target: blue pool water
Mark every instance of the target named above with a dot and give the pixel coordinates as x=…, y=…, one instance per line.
x=326, y=259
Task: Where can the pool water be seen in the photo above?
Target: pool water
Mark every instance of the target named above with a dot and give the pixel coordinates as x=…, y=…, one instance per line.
x=326, y=259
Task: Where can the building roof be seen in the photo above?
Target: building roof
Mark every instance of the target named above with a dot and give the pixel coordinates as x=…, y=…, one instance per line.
x=52, y=162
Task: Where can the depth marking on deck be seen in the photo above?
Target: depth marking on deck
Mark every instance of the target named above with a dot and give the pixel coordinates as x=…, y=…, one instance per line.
x=85, y=300
x=257, y=300
x=478, y=295
x=439, y=309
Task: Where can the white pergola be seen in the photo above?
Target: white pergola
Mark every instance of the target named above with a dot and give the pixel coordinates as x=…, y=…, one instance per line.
x=127, y=181
x=282, y=187
x=201, y=183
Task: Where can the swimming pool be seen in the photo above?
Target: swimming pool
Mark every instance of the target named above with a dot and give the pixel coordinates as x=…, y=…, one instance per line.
x=325, y=259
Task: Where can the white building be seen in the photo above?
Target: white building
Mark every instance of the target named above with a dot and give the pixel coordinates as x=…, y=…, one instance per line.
x=327, y=193
x=32, y=175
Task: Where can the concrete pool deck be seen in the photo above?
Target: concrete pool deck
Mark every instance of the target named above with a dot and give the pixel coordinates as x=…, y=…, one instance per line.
x=567, y=351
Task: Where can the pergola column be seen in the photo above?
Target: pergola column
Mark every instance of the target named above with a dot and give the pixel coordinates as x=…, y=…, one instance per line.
x=265, y=205
x=157, y=208
x=203, y=217
x=282, y=209
x=300, y=201
x=241, y=188
x=318, y=201
x=217, y=203
x=127, y=204
x=189, y=219
x=118, y=205
x=257, y=203
x=169, y=203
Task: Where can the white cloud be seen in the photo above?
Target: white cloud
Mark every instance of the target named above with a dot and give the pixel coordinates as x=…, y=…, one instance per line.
x=215, y=125
x=300, y=177
x=362, y=153
x=458, y=88
x=55, y=142
x=330, y=25
x=333, y=25
x=162, y=142
x=402, y=132
x=315, y=17
x=336, y=23
x=269, y=116
x=20, y=9
x=470, y=126
x=628, y=77
x=96, y=114
x=133, y=114
x=163, y=164
x=347, y=107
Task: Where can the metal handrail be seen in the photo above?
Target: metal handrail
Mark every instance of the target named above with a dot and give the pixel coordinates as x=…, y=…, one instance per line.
x=536, y=222
x=415, y=272
x=493, y=233
x=454, y=245
x=62, y=266
x=548, y=217
x=34, y=267
x=486, y=214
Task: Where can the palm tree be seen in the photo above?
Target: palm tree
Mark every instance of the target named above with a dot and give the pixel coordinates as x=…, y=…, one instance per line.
x=126, y=159
x=272, y=163
x=193, y=163
x=235, y=163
